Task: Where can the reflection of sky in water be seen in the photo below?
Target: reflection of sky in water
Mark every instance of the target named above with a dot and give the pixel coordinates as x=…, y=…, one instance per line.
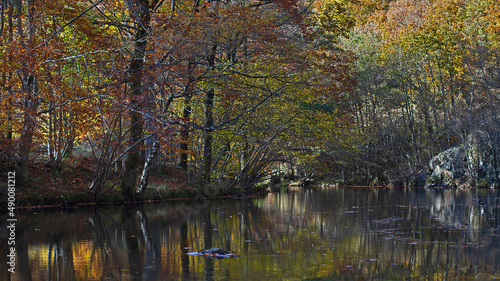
x=340, y=232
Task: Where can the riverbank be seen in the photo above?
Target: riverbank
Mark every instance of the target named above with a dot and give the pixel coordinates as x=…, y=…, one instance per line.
x=68, y=187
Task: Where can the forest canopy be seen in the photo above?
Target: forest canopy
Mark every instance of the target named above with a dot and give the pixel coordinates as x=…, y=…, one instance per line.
x=235, y=92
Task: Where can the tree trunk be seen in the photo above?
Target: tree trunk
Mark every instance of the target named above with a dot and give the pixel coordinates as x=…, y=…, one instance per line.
x=186, y=115
x=28, y=81
x=135, y=71
x=185, y=135
x=207, y=149
x=209, y=123
x=26, y=139
x=147, y=168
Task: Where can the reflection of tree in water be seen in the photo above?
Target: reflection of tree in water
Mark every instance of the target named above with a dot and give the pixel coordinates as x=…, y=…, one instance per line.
x=24, y=269
x=474, y=212
x=129, y=227
x=131, y=233
x=45, y=245
x=392, y=227
x=337, y=233
x=207, y=237
x=105, y=229
x=184, y=249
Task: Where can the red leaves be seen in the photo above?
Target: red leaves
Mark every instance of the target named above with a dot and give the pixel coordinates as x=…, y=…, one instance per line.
x=292, y=7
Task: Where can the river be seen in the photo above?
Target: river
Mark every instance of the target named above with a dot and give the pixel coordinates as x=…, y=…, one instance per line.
x=316, y=234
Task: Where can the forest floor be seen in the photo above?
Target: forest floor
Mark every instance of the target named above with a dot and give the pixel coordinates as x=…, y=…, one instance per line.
x=69, y=186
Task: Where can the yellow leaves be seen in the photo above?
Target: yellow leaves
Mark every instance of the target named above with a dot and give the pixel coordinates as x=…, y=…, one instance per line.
x=334, y=17
x=437, y=31
x=492, y=17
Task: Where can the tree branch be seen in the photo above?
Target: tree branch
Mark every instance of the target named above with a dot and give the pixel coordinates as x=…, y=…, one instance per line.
x=70, y=22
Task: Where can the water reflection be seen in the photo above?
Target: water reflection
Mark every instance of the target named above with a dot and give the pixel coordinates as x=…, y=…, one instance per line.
x=337, y=233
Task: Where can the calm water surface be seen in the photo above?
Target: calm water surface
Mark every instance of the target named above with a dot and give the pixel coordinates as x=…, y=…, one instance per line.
x=321, y=234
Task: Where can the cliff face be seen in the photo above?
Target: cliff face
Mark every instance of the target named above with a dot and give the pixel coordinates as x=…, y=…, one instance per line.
x=464, y=166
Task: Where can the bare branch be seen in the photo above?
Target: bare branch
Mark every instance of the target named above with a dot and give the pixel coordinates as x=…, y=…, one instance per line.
x=70, y=22
x=52, y=107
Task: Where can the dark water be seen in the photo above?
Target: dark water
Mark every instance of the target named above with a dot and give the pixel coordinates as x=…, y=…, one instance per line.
x=332, y=234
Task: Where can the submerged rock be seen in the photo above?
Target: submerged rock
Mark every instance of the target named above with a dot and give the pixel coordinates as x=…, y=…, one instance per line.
x=216, y=253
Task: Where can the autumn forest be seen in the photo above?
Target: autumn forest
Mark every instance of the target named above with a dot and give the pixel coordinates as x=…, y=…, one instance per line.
x=115, y=96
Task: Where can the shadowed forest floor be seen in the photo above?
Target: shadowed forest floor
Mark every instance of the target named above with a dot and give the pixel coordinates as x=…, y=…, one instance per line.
x=68, y=186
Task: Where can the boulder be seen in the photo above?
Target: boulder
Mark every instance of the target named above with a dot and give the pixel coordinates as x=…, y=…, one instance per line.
x=448, y=168
x=416, y=179
x=463, y=166
x=308, y=182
